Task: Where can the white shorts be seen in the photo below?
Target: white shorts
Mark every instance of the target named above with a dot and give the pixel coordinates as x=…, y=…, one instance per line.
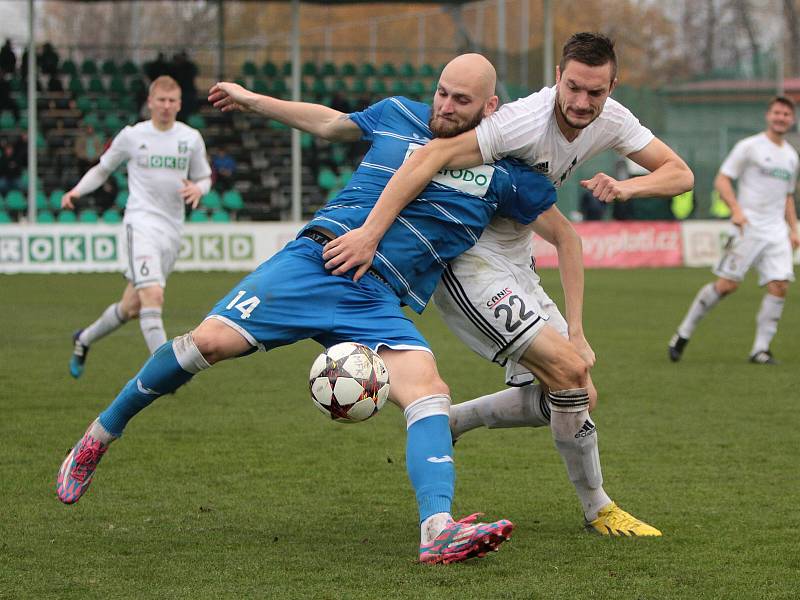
x=150, y=257
x=497, y=308
x=772, y=257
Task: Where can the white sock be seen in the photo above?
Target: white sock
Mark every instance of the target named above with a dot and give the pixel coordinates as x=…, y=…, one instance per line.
x=433, y=526
x=98, y=432
x=767, y=322
x=512, y=407
x=152, y=328
x=108, y=322
x=706, y=299
x=575, y=436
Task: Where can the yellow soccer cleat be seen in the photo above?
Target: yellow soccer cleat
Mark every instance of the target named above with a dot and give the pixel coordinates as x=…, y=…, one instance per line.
x=612, y=520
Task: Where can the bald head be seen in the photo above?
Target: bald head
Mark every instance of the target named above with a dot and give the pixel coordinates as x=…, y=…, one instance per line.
x=471, y=72
x=464, y=96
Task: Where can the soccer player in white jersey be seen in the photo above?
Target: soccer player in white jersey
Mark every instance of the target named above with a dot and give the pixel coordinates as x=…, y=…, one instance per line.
x=492, y=299
x=763, y=229
x=167, y=167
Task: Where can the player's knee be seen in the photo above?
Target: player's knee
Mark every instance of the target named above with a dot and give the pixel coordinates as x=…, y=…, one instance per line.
x=778, y=288
x=570, y=373
x=726, y=286
x=151, y=296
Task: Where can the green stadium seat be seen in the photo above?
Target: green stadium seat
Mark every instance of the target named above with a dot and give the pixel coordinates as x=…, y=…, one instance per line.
x=269, y=69
x=45, y=216
x=286, y=69
x=68, y=67
x=117, y=85
x=84, y=104
x=122, y=199
x=15, y=200
x=338, y=154
x=212, y=200
x=220, y=216
x=197, y=121
x=340, y=85
x=128, y=104
x=112, y=215
x=306, y=141
x=249, y=69
x=89, y=67
x=88, y=215
x=232, y=200
x=388, y=70
x=5, y=218
x=418, y=89
x=129, y=68
x=260, y=87
x=309, y=69
x=407, y=70
x=400, y=88
x=136, y=86
x=345, y=173
x=109, y=67
x=106, y=104
x=427, y=70
x=96, y=86
x=92, y=120
x=112, y=124
x=279, y=88
x=327, y=179
x=41, y=200
x=75, y=86
x=359, y=86
x=67, y=216
x=54, y=201
x=121, y=178
x=378, y=87
x=16, y=85
x=367, y=70
x=328, y=70
x=7, y=121
x=319, y=87
x=199, y=215
x=348, y=69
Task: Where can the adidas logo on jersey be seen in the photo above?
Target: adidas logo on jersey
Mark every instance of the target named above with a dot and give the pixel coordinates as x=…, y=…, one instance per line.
x=587, y=429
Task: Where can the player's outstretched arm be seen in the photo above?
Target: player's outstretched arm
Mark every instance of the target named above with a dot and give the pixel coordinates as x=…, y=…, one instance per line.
x=356, y=248
x=724, y=186
x=669, y=176
x=92, y=180
x=315, y=119
x=554, y=228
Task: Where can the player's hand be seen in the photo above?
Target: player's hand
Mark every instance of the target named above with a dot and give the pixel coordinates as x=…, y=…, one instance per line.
x=605, y=188
x=353, y=250
x=68, y=199
x=584, y=349
x=738, y=219
x=191, y=193
x=228, y=96
x=794, y=239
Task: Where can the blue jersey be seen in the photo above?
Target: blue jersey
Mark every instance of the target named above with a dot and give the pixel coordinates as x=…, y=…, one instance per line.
x=449, y=215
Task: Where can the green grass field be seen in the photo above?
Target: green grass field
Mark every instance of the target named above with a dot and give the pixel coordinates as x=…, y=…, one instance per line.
x=237, y=487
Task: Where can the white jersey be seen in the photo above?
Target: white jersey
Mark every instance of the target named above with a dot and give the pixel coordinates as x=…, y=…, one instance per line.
x=765, y=174
x=526, y=129
x=158, y=162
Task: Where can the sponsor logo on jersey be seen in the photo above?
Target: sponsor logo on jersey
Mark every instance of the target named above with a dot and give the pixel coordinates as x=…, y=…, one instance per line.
x=504, y=293
x=157, y=161
x=474, y=181
x=777, y=173
x=183, y=147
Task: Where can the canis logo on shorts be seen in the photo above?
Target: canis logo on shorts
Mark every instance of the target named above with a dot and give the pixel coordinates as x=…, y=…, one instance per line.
x=504, y=293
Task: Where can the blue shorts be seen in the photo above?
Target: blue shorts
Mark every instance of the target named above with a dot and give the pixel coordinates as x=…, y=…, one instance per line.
x=292, y=297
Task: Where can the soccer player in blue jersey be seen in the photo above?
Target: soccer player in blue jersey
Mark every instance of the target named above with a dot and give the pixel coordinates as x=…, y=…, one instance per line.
x=272, y=306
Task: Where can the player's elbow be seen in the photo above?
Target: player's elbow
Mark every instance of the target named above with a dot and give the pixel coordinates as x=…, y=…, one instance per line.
x=684, y=179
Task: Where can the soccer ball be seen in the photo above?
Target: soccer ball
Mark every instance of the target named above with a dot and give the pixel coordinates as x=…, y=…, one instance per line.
x=349, y=382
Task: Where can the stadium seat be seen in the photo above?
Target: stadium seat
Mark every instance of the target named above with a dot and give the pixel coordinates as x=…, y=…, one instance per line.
x=426, y=70
x=109, y=67
x=279, y=88
x=91, y=120
x=88, y=67
x=7, y=120
x=407, y=70
x=88, y=215
x=377, y=87
x=339, y=154
x=309, y=69
x=232, y=200
x=16, y=84
x=112, y=215
x=269, y=69
x=400, y=88
x=260, y=87
x=122, y=199
x=84, y=104
x=197, y=121
x=249, y=69
x=388, y=70
x=359, y=86
x=286, y=69
x=67, y=216
x=112, y=124
x=418, y=89
x=345, y=173
x=136, y=86
x=306, y=140
x=45, y=216
x=340, y=85
x=129, y=68
x=319, y=87
x=75, y=86
x=328, y=70
x=41, y=200
x=367, y=70
x=117, y=85
x=220, y=216
x=5, y=218
x=15, y=200
x=348, y=69
x=106, y=104
x=327, y=179
x=68, y=67
x=199, y=215
x=211, y=200
x=55, y=199
x=96, y=86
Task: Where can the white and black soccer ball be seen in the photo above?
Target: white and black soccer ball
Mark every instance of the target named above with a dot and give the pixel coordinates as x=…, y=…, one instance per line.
x=349, y=382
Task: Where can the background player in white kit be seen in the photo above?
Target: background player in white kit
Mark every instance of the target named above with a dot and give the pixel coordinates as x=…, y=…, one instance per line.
x=167, y=167
x=763, y=229
x=492, y=298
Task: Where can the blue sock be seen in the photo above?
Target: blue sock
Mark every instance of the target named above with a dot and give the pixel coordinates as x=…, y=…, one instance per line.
x=429, y=460
x=160, y=375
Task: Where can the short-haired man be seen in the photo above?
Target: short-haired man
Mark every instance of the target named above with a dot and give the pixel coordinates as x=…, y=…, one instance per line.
x=763, y=229
x=167, y=168
x=554, y=130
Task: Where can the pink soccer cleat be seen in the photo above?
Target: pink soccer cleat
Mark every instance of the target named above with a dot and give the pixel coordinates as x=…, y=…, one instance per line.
x=78, y=468
x=465, y=539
